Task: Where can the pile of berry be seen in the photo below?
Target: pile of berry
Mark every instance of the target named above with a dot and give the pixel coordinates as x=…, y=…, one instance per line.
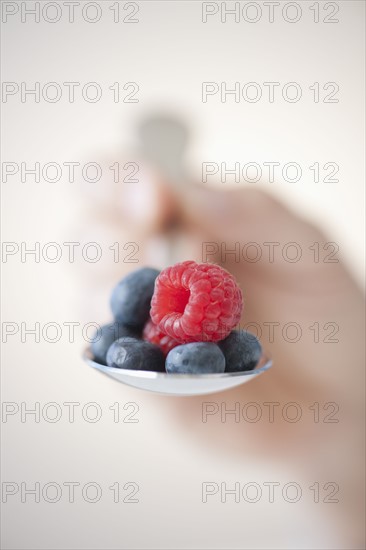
x=179, y=320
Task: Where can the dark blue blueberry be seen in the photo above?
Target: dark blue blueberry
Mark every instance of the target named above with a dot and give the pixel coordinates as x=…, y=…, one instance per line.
x=106, y=335
x=130, y=353
x=242, y=351
x=131, y=298
x=195, y=358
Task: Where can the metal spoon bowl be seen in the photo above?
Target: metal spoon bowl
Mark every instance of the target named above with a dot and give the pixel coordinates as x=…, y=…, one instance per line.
x=179, y=384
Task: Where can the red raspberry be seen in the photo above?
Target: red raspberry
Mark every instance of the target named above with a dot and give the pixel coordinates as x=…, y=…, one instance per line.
x=153, y=334
x=196, y=302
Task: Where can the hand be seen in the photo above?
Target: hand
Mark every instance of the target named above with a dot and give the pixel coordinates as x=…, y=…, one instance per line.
x=322, y=308
x=317, y=302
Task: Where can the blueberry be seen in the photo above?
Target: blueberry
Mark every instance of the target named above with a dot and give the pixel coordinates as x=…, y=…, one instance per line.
x=242, y=351
x=130, y=353
x=106, y=335
x=131, y=298
x=195, y=358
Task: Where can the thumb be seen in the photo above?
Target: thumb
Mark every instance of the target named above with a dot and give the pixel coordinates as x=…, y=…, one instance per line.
x=237, y=213
x=249, y=220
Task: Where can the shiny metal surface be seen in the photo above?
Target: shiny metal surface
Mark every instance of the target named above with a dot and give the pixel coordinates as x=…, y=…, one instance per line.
x=179, y=384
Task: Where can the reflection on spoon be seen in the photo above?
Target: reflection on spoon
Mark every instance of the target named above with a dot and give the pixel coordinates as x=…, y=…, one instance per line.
x=179, y=384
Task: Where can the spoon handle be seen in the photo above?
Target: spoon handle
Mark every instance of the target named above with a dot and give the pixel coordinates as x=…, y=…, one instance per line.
x=163, y=142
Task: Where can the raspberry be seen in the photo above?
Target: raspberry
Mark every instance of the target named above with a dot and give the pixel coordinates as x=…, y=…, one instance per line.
x=196, y=302
x=154, y=335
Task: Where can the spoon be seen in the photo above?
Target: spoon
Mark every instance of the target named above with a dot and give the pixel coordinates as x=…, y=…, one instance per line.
x=179, y=384
x=162, y=142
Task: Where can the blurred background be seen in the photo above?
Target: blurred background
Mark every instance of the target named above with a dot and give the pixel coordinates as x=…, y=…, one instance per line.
x=156, y=66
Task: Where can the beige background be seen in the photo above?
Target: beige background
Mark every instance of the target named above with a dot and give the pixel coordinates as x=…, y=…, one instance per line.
x=169, y=53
